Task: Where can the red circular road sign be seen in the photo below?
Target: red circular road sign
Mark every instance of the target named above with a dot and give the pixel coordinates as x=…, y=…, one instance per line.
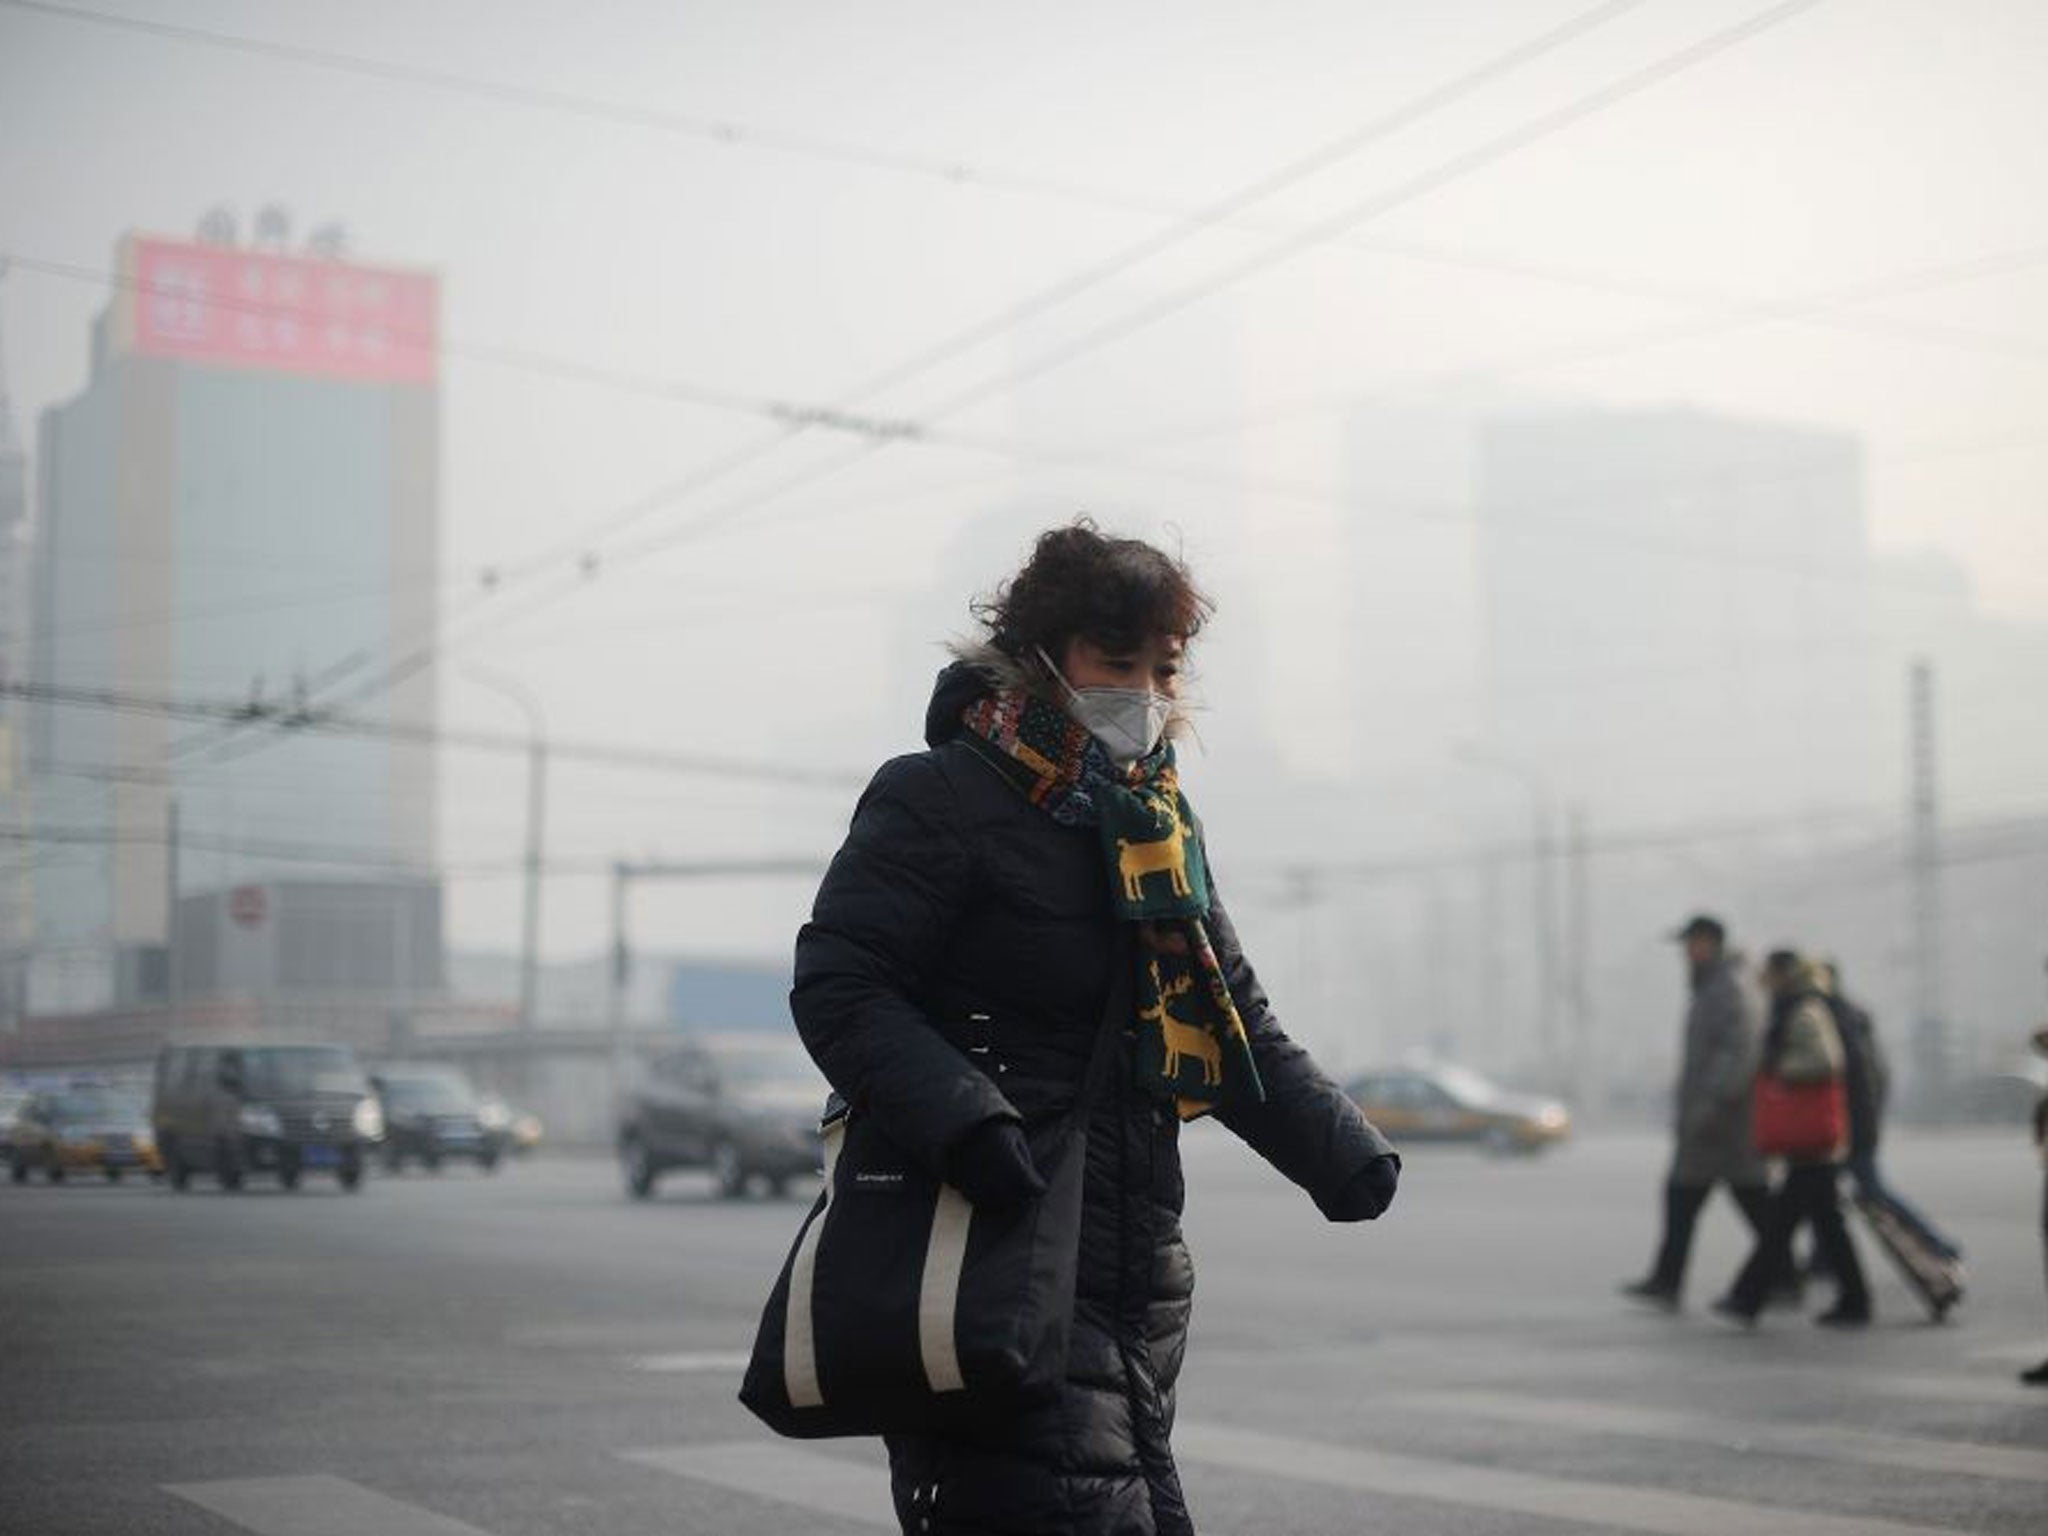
x=247, y=904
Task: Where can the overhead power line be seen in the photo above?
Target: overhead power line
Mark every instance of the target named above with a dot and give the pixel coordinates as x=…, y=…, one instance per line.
x=799, y=414
x=304, y=719
x=719, y=133
x=1650, y=839
x=1185, y=225
x=1487, y=154
x=55, y=839
x=1832, y=308
x=2013, y=828
x=1228, y=211
x=1455, y=169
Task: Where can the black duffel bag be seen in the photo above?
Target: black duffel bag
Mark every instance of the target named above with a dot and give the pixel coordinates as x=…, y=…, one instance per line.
x=903, y=1308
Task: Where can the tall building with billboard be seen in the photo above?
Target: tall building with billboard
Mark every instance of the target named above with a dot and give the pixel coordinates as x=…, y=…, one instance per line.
x=242, y=503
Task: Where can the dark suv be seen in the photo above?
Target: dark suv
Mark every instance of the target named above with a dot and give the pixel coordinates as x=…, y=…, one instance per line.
x=278, y=1107
x=744, y=1106
x=434, y=1113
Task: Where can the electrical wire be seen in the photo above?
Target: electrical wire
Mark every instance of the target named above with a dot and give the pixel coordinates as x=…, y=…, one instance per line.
x=300, y=720
x=1493, y=150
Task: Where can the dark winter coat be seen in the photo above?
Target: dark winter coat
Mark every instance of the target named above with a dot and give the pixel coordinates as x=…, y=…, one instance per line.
x=960, y=918
x=1713, y=1094
x=1868, y=1078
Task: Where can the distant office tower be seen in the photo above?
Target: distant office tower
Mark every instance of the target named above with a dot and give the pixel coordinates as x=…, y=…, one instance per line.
x=1676, y=612
x=241, y=503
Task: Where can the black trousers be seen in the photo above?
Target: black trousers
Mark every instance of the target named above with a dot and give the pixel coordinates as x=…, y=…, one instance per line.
x=1682, y=1206
x=1808, y=1197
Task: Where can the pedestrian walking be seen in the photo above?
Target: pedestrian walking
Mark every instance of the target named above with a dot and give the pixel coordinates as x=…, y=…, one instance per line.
x=1710, y=1109
x=2037, y=1376
x=1930, y=1263
x=1803, y=1055
x=951, y=985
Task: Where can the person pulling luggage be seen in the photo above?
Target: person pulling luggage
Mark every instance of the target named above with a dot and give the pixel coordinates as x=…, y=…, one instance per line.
x=1930, y=1263
x=1803, y=1050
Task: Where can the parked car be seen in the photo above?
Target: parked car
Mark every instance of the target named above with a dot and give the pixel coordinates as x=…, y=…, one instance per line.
x=271, y=1106
x=435, y=1113
x=520, y=1129
x=1450, y=1103
x=11, y=1100
x=744, y=1106
x=90, y=1128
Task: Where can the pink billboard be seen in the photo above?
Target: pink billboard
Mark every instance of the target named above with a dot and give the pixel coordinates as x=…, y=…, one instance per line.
x=292, y=314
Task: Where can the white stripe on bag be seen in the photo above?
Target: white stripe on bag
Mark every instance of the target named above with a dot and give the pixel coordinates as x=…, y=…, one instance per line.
x=799, y=1337
x=938, y=1297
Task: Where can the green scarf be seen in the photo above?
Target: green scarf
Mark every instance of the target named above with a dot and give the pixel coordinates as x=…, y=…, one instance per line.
x=1192, y=1045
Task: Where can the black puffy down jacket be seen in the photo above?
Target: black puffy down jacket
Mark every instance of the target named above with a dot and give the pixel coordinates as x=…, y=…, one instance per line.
x=957, y=917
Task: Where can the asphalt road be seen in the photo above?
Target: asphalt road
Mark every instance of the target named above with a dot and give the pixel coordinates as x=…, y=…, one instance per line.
x=530, y=1354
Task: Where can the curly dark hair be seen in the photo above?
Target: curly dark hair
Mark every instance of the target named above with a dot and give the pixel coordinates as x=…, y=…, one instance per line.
x=1116, y=593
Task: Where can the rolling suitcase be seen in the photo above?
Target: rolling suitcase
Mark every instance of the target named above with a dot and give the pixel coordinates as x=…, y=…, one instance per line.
x=1934, y=1276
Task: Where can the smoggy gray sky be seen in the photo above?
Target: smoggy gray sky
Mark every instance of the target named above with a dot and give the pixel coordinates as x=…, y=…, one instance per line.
x=1836, y=220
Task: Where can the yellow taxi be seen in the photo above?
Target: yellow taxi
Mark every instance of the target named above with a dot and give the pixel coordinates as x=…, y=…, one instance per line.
x=1450, y=1103
x=86, y=1129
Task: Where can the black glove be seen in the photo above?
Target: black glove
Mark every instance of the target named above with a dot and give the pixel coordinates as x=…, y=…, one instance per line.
x=991, y=1165
x=1367, y=1192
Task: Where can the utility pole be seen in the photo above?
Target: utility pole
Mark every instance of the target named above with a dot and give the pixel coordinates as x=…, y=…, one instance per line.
x=1578, y=992
x=529, y=917
x=174, y=981
x=1930, y=1032
x=1544, y=893
x=536, y=824
x=619, y=971
x=1546, y=935
x=616, y=970
x=1492, y=986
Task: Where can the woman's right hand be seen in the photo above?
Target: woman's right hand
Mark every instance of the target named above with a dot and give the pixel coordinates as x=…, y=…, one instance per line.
x=991, y=1165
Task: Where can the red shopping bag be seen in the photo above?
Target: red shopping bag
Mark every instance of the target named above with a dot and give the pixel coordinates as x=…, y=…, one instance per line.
x=1806, y=1120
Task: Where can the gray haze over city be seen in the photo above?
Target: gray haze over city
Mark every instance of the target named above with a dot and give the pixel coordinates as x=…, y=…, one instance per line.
x=1583, y=419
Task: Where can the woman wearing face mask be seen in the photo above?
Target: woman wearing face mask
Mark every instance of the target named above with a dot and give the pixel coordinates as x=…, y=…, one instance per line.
x=952, y=981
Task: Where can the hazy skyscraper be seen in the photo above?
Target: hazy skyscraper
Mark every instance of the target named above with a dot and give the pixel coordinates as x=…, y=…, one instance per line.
x=1676, y=611
x=242, y=502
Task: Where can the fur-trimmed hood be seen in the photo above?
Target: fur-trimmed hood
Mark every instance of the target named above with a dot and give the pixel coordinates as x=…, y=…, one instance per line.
x=979, y=668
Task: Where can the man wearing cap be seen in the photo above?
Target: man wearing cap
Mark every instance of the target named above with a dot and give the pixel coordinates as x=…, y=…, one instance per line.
x=1711, y=1111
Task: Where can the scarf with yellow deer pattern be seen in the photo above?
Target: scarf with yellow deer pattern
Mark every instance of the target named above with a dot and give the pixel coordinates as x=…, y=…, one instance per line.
x=1191, y=1043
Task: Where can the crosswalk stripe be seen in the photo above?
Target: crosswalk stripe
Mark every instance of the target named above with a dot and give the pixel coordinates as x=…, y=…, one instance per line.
x=316, y=1505
x=1999, y=1391
x=1774, y=1437
x=2017, y=1352
x=695, y=1361
x=824, y=1485
x=1529, y=1495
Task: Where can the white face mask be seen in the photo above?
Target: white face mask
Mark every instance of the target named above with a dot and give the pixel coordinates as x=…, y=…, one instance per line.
x=1127, y=721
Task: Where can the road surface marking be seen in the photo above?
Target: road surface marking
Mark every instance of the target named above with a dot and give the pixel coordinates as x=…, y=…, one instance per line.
x=1777, y=1438
x=2018, y=1352
x=316, y=1505
x=695, y=1361
x=1526, y=1494
x=779, y=1472
x=1999, y=1391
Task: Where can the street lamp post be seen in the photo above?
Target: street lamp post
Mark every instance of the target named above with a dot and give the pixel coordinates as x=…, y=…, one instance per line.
x=1543, y=896
x=536, y=821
